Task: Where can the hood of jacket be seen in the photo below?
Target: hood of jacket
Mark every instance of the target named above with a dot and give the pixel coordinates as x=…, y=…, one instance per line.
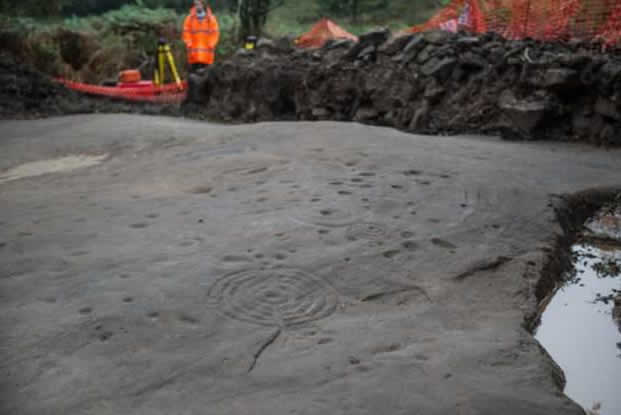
x=207, y=11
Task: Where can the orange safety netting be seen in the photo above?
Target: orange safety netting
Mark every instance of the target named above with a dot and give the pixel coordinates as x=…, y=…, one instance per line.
x=321, y=32
x=537, y=19
x=165, y=94
x=611, y=32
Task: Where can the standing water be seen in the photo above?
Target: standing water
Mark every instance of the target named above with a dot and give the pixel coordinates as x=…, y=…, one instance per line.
x=581, y=326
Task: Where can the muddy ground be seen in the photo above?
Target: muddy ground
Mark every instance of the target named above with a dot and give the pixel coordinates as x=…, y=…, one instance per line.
x=281, y=268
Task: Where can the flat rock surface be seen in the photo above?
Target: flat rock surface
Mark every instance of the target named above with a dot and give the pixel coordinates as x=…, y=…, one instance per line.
x=165, y=266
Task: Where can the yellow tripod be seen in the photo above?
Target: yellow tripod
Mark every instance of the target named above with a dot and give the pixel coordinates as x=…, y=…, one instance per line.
x=164, y=55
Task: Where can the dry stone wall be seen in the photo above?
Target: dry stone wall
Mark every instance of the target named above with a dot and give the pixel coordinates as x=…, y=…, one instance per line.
x=434, y=82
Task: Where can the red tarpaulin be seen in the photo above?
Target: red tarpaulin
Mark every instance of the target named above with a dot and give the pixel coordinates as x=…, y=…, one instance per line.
x=142, y=91
x=321, y=32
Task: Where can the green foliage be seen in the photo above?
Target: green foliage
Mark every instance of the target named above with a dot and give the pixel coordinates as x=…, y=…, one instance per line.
x=253, y=16
x=228, y=37
x=116, y=40
x=38, y=8
x=351, y=8
x=94, y=47
x=18, y=24
x=126, y=19
x=45, y=57
x=33, y=8
x=28, y=41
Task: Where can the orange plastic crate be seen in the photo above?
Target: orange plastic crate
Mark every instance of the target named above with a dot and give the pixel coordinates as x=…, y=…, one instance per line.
x=129, y=76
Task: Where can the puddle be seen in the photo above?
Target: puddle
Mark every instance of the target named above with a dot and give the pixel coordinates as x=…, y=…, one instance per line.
x=580, y=333
x=41, y=167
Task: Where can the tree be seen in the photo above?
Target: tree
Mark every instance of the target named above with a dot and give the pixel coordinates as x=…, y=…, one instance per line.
x=33, y=8
x=336, y=8
x=253, y=16
x=350, y=8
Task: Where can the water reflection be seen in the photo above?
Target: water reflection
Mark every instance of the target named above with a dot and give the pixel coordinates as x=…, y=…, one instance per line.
x=580, y=330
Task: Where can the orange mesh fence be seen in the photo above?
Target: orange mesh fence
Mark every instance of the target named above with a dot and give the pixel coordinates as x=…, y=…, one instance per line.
x=165, y=94
x=611, y=32
x=458, y=14
x=552, y=20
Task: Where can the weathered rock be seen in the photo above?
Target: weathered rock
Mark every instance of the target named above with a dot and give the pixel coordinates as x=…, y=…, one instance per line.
x=610, y=71
x=596, y=126
x=395, y=44
x=419, y=119
x=514, y=51
x=488, y=47
x=444, y=51
x=472, y=60
x=244, y=52
x=555, y=78
x=369, y=50
x=581, y=122
x=616, y=312
x=266, y=43
x=374, y=38
x=284, y=43
x=320, y=113
x=589, y=75
x=608, y=108
x=525, y=114
x=575, y=61
x=434, y=91
x=366, y=114
x=439, y=68
x=337, y=44
x=415, y=43
x=196, y=87
x=496, y=54
x=608, y=136
x=259, y=339
x=281, y=45
x=398, y=58
x=425, y=54
x=469, y=41
x=438, y=37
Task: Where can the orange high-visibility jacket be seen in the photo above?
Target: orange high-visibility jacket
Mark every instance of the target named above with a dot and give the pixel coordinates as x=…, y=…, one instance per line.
x=201, y=37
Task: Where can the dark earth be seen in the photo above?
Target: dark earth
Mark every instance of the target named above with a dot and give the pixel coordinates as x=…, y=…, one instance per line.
x=165, y=265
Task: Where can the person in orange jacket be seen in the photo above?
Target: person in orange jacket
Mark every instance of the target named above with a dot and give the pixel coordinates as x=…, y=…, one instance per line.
x=200, y=35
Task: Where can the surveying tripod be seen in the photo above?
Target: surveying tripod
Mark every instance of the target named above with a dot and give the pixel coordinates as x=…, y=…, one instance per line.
x=164, y=55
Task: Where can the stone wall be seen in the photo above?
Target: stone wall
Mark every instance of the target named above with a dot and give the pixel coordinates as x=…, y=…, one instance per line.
x=433, y=82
